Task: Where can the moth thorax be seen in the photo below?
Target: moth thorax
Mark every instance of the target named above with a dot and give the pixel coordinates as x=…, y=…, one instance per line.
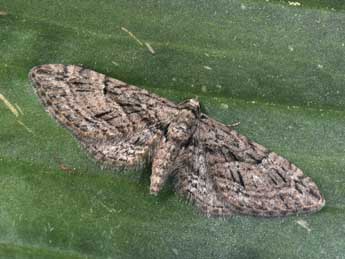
x=183, y=126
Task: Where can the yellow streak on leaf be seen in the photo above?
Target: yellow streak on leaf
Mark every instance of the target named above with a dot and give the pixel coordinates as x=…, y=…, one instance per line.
x=3, y=13
x=21, y=123
x=132, y=35
x=9, y=105
x=19, y=109
x=149, y=47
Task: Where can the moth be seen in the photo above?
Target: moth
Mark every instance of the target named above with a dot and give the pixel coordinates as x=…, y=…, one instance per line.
x=213, y=166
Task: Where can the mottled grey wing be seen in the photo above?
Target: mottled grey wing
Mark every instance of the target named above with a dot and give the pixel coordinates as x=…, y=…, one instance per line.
x=229, y=174
x=118, y=123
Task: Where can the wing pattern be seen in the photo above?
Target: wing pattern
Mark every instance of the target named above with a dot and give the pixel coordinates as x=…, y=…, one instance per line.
x=214, y=167
x=229, y=174
x=118, y=124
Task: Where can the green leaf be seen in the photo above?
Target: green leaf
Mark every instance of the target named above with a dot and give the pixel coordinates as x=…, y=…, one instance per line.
x=277, y=67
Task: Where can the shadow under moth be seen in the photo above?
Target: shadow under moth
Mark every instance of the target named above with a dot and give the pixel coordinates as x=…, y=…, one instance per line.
x=219, y=170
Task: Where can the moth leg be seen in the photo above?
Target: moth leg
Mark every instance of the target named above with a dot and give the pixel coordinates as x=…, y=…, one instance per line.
x=162, y=164
x=178, y=135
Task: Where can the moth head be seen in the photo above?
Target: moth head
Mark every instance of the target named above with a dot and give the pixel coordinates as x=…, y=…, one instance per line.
x=191, y=104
